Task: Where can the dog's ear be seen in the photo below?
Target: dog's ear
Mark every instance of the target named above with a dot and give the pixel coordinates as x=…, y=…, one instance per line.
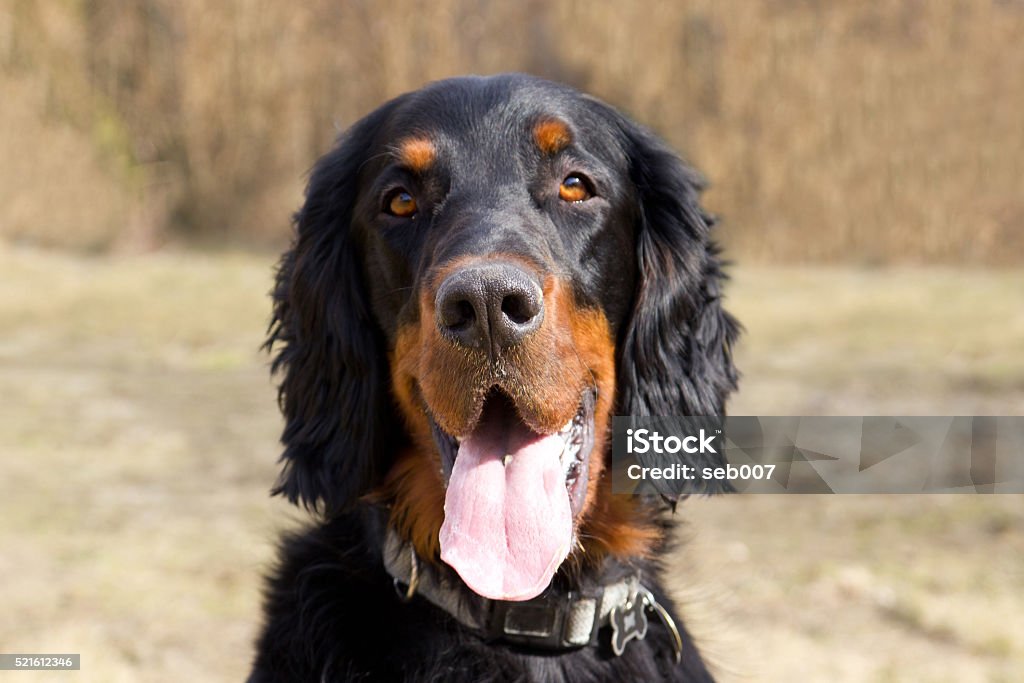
x=333, y=391
x=676, y=356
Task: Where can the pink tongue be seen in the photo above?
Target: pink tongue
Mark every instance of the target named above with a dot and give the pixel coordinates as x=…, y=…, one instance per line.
x=507, y=527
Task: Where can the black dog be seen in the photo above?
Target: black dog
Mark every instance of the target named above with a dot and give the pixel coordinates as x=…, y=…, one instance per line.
x=484, y=271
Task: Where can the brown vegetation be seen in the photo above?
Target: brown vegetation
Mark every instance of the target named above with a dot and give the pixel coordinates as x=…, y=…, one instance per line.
x=873, y=132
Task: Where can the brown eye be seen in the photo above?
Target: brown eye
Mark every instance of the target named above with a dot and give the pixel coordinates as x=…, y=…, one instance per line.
x=401, y=204
x=574, y=189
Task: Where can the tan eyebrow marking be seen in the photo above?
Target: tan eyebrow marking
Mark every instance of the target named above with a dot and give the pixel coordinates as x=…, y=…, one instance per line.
x=552, y=135
x=417, y=154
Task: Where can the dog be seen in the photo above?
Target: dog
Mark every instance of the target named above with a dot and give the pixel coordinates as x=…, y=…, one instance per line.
x=483, y=272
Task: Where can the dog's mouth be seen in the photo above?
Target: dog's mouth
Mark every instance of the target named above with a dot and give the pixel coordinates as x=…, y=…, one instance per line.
x=512, y=497
x=499, y=420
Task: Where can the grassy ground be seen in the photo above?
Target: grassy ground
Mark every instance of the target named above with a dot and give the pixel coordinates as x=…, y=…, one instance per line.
x=138, y=440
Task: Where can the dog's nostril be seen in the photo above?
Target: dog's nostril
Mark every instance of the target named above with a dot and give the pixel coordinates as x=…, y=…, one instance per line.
x=519, y=308
x=458, y=314
x=463, y=315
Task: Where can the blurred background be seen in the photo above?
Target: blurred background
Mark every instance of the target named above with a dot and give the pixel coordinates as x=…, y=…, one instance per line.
x=857, y=132
x=867, y=160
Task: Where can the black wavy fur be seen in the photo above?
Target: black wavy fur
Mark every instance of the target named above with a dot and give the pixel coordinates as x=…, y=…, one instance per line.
x=339, y=422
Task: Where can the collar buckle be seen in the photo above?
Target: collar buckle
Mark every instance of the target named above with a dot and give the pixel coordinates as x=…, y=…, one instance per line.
x=549, y=621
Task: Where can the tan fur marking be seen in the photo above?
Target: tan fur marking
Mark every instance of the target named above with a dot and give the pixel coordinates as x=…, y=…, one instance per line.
x=552, y=135
x=417, y=154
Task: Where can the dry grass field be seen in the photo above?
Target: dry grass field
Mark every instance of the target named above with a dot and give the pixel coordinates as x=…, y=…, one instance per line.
x=138, y=441
x=874, y=132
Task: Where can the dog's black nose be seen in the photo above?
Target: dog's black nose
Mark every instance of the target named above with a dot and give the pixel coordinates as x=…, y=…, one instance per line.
x=489, y=305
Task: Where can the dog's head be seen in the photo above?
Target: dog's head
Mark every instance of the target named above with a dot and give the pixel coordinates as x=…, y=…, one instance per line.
x=483, y=272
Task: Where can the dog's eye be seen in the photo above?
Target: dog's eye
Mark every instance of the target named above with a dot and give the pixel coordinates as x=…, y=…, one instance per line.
x=400, y=203
x=574, y=189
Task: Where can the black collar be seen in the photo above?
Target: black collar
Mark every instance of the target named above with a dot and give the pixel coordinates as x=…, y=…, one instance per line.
x=554, y=620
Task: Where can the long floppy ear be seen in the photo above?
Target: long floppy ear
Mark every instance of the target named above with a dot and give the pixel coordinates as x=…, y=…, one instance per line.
x=676, y=354
x=334, y=388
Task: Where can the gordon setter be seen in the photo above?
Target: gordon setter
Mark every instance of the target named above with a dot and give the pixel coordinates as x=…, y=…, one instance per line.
x=483, y=272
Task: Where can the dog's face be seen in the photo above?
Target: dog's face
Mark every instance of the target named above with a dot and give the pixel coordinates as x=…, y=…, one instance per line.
x=484, y=271
x=499, y=281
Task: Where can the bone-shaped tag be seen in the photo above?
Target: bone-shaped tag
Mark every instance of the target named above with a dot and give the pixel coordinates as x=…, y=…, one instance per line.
x=628, y=622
